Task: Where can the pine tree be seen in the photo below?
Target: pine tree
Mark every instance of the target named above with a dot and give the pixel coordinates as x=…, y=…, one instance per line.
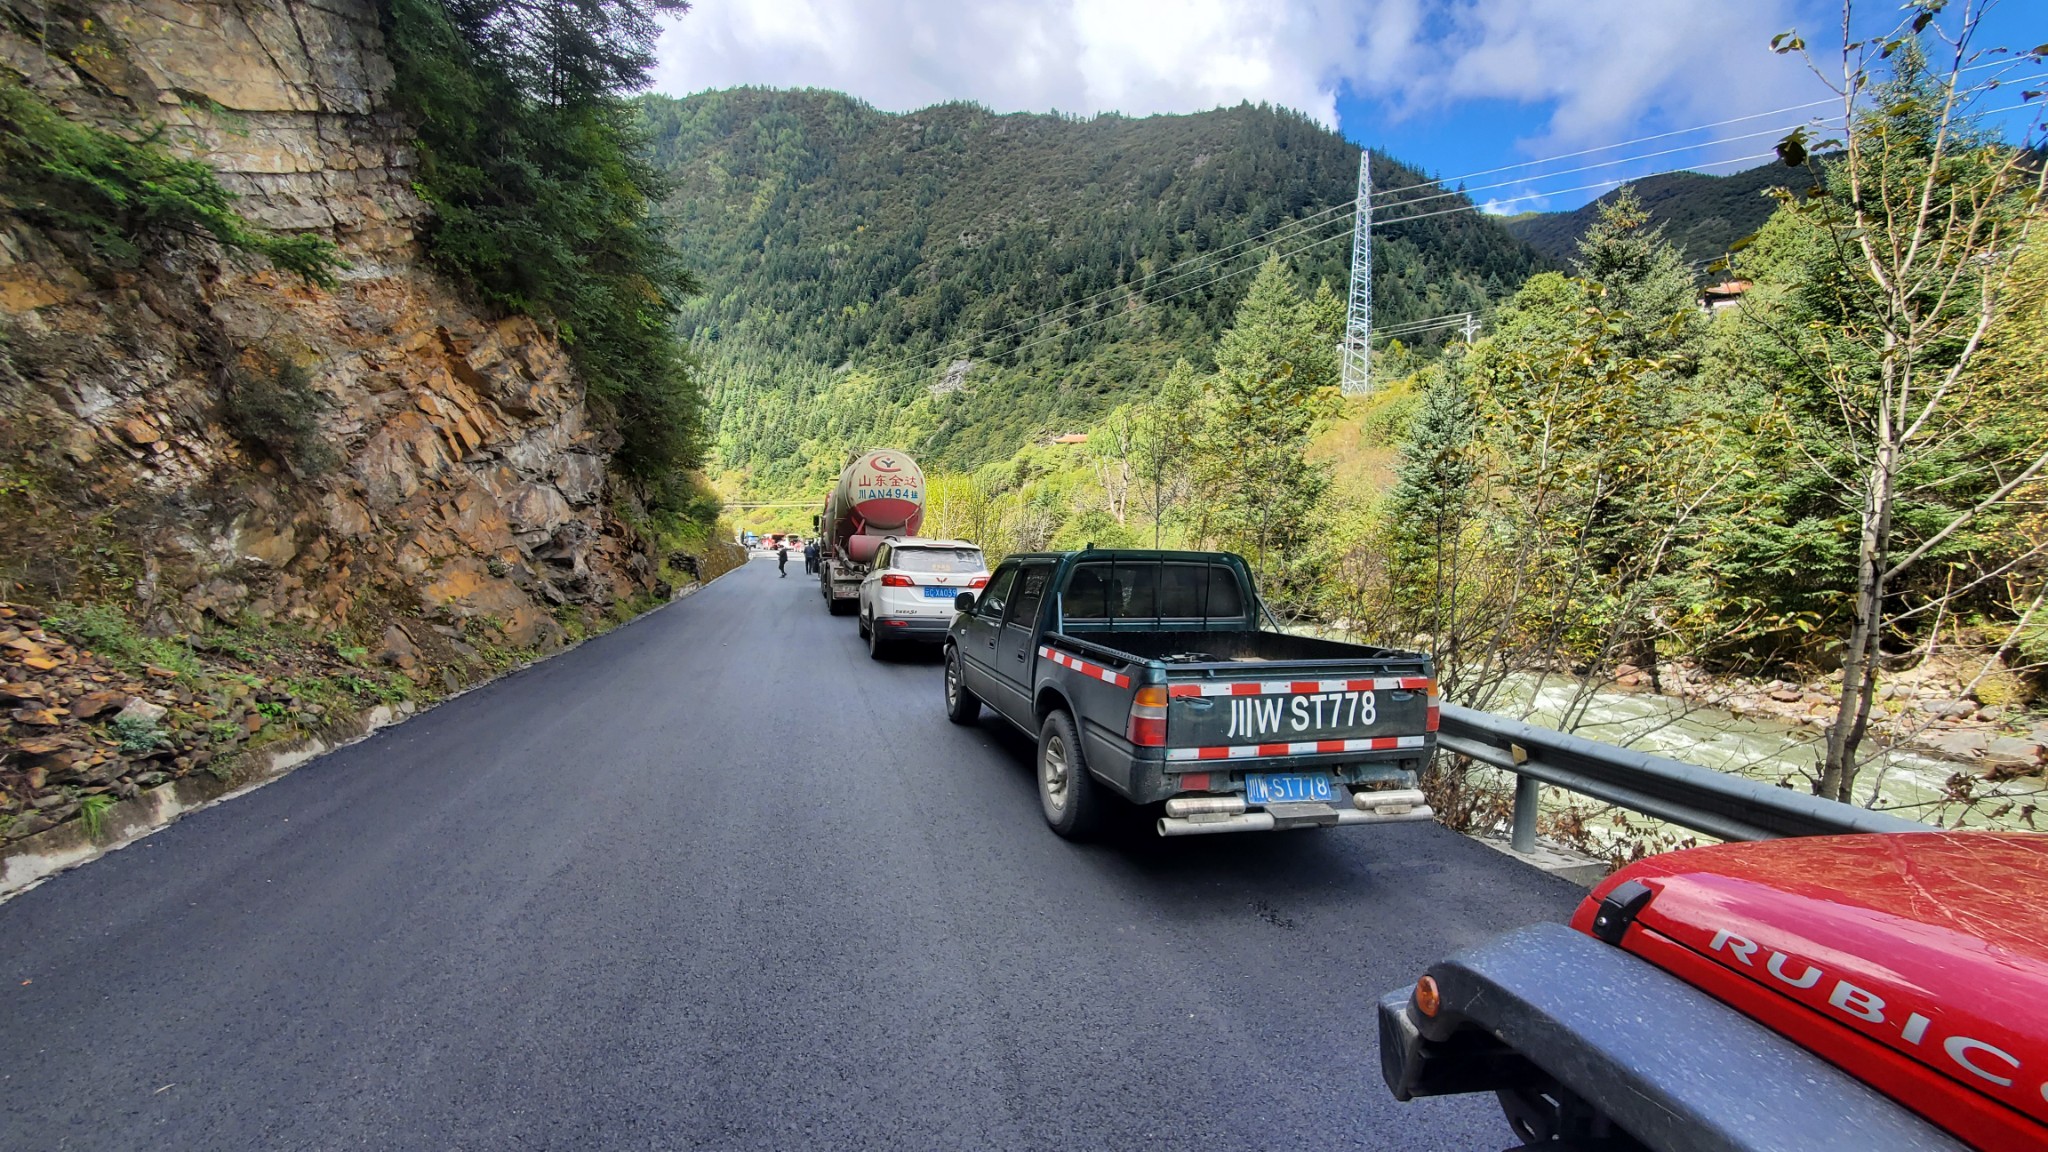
x=1276, y=378
x=1649, y=286
x=1433, y=502
x=1169, y=424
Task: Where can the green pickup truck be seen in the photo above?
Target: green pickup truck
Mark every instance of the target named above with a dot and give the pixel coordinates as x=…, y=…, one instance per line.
x=1146, y=675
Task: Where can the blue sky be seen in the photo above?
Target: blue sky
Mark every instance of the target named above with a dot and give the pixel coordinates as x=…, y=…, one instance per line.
x=1475, y=131
x=1452, y=86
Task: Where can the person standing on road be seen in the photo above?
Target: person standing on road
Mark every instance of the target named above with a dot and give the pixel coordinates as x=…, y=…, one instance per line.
x=810, y=557
x=782, y=559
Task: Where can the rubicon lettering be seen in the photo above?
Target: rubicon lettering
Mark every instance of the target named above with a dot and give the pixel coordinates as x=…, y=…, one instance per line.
x=1971, y=1060
x=1311, y=712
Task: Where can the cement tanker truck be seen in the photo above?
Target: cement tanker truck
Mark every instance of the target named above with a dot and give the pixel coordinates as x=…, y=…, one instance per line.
x=879, y=494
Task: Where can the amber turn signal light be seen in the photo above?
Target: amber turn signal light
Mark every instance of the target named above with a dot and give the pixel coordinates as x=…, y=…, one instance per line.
x=1427, y=999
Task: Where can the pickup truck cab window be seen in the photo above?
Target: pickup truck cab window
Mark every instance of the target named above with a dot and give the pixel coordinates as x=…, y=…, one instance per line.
x=1030, y=592
x=997, y=597
x=1108, y=591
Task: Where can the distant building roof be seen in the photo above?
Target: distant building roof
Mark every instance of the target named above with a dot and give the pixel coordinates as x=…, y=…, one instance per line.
x=1071, y=438
x=1726, y=294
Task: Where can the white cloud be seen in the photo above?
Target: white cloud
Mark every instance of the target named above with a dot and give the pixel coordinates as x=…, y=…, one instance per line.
x=1016, y=55
x=1600, y=65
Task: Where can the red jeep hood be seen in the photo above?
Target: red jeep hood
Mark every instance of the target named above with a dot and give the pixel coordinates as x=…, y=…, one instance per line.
x=1933, y=944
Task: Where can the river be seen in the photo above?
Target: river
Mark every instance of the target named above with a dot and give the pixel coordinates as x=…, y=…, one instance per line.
x=1761, y=748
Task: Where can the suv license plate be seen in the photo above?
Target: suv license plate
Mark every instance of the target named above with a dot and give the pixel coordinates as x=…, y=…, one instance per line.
x=932, y=593
x=1289, y=789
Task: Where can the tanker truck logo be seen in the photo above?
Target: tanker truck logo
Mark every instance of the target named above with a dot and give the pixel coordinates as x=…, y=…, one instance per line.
x=881, y=477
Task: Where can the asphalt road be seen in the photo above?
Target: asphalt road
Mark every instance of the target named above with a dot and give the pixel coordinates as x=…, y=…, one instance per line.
x=717, y=881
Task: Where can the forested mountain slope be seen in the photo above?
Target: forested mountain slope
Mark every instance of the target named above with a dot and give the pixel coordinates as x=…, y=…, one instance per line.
x=1703, y=215
x=868, y=275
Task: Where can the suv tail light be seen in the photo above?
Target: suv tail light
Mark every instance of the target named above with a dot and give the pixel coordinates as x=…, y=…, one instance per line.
x=896, y=580
x=1147, y=726
x=979, y=582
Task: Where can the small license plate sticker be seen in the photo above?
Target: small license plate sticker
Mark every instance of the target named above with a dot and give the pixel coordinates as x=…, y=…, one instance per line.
x=932, y=593
x=1293, y=788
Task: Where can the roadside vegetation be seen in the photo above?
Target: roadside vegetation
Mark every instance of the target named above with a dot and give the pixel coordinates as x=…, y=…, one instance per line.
x=536, y=165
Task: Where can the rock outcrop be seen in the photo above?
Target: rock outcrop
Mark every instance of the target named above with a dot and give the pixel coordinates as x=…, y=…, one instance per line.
x=467, y=485
x=454, y=505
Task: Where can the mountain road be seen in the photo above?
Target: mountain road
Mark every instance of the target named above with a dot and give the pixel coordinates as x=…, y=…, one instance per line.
x=717, y=880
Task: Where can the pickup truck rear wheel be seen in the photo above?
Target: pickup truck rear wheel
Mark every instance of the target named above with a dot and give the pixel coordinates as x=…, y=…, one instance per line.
x=962, y=706
x=1069, y=795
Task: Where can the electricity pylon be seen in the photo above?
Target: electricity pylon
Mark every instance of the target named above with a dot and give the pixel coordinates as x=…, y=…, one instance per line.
x=1357, y=377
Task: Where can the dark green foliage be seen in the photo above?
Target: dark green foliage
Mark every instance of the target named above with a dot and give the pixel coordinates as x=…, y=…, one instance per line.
x=279, y=412
x=1433, y=483
x=1276, y=376
x=1647, y=281
x=833, y=235
x=123, y=193
x=1705, y=216
x=533, y=162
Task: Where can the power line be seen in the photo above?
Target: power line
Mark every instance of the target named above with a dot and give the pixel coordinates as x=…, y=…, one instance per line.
x=1466, y=191
x=1207, y=261
x=1452, y=320
x=1388, y=198
x=1327, y=239
x=1167, y=275
x=1694, y=128
x=1462, y=191
x=1273, y=236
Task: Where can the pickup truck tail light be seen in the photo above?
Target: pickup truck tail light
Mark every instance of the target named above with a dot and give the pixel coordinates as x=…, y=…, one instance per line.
x=896, y=580
x=1147, y=727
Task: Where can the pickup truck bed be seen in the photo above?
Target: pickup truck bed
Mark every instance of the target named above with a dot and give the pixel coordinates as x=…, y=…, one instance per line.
x=1206, y=648
x=1229, y=727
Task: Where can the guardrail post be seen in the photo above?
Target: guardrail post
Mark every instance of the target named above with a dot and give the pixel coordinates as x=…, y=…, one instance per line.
x=1527, y=789
x=1528, y=793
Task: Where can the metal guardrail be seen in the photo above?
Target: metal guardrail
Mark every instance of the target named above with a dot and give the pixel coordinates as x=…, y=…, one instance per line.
x=1720, y=805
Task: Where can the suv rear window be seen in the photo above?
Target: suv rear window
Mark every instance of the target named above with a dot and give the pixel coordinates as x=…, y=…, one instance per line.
x=1152, y=590
x=937, y=560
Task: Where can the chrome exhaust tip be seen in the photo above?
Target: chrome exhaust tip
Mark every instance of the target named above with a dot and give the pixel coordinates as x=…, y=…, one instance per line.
x=1205, y=806
x=1241, y=822
x=1391, y=802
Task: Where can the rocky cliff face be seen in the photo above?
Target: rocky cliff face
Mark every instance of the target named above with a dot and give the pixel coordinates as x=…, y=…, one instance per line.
x=468, y=485
x=453, y=503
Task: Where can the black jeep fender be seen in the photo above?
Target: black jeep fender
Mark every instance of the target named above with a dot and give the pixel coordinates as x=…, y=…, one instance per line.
x=1547, y=1011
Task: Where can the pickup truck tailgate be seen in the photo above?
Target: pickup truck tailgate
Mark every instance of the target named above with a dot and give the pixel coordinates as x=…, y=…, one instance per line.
x=1211, y=719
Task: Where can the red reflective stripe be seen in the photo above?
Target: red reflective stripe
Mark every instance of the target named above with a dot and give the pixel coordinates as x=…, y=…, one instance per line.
x=1304, y=687
x=1194, y=782
x=1212, y=753
x=1247, y=689
x=1272, y=749
x=1085, y=668
x=1180, y=691
x=1329, y=745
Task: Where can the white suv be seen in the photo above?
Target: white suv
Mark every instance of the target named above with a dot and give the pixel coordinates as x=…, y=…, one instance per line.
x=908, y=593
